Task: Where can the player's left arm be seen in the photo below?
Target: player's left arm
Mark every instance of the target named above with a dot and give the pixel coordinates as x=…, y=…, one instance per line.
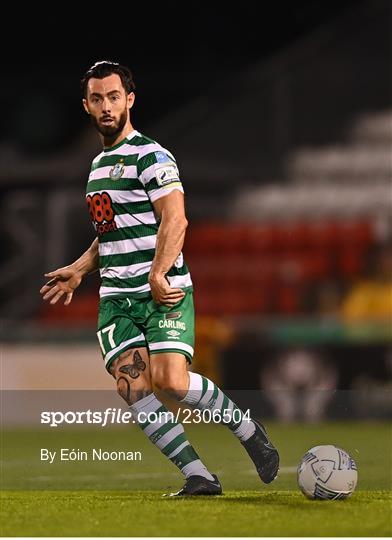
x=170, y=209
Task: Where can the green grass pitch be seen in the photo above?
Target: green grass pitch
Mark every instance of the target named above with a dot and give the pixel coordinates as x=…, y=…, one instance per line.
x=118, y=498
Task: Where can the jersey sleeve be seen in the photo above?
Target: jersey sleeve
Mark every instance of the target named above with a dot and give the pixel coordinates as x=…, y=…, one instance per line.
x=157, y=170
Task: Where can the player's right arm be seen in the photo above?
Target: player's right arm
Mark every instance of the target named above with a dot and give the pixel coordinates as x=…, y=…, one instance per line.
x=65, y=280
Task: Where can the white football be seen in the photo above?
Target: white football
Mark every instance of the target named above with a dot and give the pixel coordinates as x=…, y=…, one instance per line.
x=327, y=472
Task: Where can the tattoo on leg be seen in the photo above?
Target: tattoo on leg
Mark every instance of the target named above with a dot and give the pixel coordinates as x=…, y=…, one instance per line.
x=134, y=370
x=125, y=393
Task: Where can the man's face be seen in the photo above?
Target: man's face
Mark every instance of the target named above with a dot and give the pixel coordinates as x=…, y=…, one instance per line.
x=108, y=104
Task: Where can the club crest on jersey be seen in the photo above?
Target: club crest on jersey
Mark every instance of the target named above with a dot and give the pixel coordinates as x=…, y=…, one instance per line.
x=117, y=171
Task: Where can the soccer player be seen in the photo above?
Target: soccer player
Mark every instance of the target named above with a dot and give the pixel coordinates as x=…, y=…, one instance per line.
x=146, y=317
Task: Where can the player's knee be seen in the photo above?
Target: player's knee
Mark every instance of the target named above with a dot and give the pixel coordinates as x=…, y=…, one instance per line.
x=132, y=393
x=172, y=382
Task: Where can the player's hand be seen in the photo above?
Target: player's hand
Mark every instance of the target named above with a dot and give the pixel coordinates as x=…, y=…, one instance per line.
x=63, y=281
x=162, y=293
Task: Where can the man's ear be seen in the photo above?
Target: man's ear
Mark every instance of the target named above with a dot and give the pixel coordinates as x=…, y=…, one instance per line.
x=131, y=100
x=85, y=106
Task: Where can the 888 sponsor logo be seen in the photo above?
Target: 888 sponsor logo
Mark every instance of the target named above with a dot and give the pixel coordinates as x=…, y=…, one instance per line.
x=101, y=211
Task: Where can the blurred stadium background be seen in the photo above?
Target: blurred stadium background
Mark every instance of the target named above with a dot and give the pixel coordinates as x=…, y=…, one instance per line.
x=283, y=139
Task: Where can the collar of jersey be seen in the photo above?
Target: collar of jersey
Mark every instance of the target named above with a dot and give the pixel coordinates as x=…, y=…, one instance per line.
x=127, y=138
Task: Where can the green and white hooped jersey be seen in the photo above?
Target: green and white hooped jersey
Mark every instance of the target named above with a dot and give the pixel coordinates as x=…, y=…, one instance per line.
x=123, y=183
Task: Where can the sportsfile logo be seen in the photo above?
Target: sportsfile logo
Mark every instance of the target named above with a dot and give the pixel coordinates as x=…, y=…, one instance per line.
x=102, y=418
x=112, y=416
x=107, y=417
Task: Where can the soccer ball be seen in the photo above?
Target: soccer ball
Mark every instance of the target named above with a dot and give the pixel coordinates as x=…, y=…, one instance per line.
x=327, y=472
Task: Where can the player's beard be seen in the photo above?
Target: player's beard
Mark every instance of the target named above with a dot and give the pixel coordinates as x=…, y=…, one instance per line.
x=113, y=130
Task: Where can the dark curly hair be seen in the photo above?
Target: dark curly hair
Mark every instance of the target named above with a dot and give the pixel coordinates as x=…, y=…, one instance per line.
x=103, y=69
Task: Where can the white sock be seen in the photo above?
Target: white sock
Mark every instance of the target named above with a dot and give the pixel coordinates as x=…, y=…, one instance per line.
x=167, y=435
x=204, y=394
